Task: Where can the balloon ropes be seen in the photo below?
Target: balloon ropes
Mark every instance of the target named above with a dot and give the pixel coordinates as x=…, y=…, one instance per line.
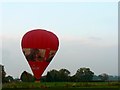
x=39, y=47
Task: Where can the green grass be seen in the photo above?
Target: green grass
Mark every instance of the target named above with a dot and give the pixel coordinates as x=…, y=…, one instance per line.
x=47, y=85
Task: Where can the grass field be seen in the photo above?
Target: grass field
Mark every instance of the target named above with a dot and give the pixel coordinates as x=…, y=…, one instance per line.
x=62, y=85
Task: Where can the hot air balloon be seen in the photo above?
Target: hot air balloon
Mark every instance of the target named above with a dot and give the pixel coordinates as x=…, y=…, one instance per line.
x=39, y=47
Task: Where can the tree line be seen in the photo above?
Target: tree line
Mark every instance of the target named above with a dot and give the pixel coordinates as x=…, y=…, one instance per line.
x=63, y=75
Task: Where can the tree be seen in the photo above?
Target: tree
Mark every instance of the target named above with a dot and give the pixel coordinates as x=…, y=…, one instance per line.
x=27, y=77
x=58, y=76
x=104, y=77
x=5, y=79
x=0, y=75
x=84, y=74
x=52, y=76
x=119, y=78
x=64, y=75
x=43, y=78
x=3, y=74
x=9, y=79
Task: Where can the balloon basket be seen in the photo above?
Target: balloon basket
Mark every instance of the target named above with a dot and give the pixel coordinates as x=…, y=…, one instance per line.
x=37, y=81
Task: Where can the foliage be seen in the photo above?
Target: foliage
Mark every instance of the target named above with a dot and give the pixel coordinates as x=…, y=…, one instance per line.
x=27, y=77
x=83, y=74
x=8, y=79
x=58, y=76
x=5, y=79
x=63, y=75
x=52, y=76
x=3, y=74
x=104, y=77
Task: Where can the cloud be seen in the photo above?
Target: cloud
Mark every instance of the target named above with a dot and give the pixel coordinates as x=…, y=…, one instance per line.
x=95, y=38
x=89, y=41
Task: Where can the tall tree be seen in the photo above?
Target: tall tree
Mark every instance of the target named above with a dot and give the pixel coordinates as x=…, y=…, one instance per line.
x=3, y=74
x=84, y=74
x=27, y=77
x=0, y=75
x=58, y=76
x=52, y=76
x=64, y=75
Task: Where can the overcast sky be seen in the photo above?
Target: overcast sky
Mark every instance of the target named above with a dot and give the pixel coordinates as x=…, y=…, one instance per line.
x=87, y=32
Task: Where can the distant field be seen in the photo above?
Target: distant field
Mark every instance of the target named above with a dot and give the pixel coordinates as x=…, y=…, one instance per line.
x=62, y=85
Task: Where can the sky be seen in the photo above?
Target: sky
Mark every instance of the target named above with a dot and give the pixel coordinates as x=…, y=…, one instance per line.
x=87, y=32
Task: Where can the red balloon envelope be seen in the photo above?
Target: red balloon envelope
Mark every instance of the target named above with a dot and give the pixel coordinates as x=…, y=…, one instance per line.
x=39, y=47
